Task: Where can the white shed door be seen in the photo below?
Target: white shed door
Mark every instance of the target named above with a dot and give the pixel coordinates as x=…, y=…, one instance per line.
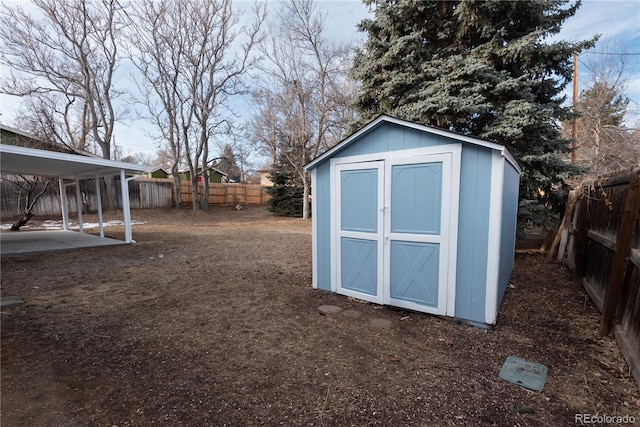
x=360, y=230
x=393, y=222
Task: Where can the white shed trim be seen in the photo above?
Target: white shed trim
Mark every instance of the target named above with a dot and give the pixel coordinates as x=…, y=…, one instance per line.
x=453, y=232
x=494, y=236
x=314, y=232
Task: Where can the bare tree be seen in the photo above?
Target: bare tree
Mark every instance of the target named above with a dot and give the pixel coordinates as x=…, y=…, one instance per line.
x=57, y=119
x=29, y=191
x=604, y=141
x=156, y=32
x=162, y=158
x=264, y=125
x=64, y=60
x=243, y=151
x=304, y=100
x=192, y=55
x=66, y=56
x=141, y=158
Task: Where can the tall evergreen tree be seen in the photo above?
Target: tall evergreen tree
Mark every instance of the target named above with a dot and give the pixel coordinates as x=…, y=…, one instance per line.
x=229, y=165
x=481, y=68
x=287, y=190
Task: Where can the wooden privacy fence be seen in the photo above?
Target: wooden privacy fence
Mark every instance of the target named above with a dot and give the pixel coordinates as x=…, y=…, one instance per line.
x=145, y=194
x=227, y=194
x=603, y=249
x=142, y=194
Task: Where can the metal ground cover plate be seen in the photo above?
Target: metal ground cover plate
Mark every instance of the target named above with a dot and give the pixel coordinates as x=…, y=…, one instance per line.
x=526, y=374
x=6, y=302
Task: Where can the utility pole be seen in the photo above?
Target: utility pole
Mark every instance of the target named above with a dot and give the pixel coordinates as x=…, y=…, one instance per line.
x=574, y=128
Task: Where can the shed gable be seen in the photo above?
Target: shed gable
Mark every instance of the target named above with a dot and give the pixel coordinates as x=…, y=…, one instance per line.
x=392, y=137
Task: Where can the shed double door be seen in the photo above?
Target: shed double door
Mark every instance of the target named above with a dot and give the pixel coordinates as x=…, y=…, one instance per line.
x=393, y=222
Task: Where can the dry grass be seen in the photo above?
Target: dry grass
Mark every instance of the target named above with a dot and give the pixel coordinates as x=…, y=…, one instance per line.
x=210, y=319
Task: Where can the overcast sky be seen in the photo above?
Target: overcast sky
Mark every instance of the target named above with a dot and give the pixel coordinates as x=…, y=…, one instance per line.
x=616, y=20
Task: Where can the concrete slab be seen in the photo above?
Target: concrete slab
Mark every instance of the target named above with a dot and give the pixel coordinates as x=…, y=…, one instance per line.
x=6, y=302
x=326, y=309
x=353, y=314
x=37, y=242
x=381, y=323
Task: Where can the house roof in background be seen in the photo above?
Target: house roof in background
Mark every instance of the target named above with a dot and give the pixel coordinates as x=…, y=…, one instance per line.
x=200, y=170
x=13, y=136
x=58, y=162
x=19, y=132
x=153, y=169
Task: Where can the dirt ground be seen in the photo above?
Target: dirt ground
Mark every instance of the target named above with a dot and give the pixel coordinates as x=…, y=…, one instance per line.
x=210, y=320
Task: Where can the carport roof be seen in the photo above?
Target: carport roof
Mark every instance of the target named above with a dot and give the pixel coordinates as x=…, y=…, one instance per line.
x=31, y=161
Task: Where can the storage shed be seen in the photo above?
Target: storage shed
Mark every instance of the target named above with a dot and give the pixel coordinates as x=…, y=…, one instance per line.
x=416, y=217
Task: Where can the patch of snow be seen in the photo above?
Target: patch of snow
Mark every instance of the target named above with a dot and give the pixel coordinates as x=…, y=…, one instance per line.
x=57, y=225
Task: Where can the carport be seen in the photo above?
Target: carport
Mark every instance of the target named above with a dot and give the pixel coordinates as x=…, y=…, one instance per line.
x=69, y=170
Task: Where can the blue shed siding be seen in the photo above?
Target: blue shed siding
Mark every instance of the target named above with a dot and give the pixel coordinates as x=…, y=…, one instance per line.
x=392, y=137
x=473, y=233
x=474, y=211
x=510, y=192
x=323, y=217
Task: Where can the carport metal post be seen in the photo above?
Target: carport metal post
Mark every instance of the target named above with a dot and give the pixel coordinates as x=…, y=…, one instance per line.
x=126, y=213
x=99, y=203
x=63, y=204
x=79, y=206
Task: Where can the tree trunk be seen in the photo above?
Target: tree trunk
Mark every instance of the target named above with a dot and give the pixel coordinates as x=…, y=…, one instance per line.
x=194, y=193
x=22, y=221
x=305, y=195
x=110, y=196
x=177, y=190
x=204, y=205
x=29, y=203
x=596, y=148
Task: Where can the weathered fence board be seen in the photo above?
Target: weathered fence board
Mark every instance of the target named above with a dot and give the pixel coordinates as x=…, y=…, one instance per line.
x=604, y=252
x=143, y=193
x=150, y=194
x=597, y=272
x=629, y=318
x=624, y=241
